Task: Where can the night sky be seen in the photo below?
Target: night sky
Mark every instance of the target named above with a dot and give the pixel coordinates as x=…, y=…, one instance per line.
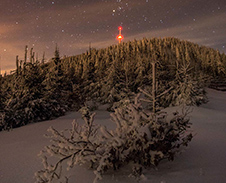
x=72, y=24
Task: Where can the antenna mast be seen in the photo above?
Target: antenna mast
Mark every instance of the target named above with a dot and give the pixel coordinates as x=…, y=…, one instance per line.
x=120, y=37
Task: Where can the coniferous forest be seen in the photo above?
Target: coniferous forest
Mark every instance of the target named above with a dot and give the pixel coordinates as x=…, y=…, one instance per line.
x=38, y=90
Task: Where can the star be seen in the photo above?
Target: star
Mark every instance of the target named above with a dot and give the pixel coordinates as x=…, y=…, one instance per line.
x=66, y=22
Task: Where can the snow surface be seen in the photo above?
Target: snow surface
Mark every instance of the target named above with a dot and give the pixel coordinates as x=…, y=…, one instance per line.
x=204, y=161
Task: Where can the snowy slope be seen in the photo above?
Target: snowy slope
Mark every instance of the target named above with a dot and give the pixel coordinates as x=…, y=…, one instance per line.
x=204, y=161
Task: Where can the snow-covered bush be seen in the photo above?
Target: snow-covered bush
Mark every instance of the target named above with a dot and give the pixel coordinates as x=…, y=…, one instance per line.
x=77, y=147
x=141, y=137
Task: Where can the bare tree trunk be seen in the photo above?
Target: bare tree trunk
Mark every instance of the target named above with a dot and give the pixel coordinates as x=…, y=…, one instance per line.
x=153, y=86
x=25, y=55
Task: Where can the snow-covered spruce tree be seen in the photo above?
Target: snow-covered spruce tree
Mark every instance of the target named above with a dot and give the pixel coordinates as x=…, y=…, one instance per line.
x=141, y=137
x=24, y=105
x=156, y=95
x=117, y=84
x=188, y=86
x=57, y=88
x=27, y=100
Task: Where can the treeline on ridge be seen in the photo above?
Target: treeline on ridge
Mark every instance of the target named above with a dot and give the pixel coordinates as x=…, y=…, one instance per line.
x=38, y=91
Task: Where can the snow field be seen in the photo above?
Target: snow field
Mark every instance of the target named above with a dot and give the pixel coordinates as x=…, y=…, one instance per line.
x=203, y=161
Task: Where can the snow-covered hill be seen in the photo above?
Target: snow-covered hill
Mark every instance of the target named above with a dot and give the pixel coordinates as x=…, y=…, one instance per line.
x=204, y=161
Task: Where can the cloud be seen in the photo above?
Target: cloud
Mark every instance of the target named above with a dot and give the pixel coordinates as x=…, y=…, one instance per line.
x=73, y=24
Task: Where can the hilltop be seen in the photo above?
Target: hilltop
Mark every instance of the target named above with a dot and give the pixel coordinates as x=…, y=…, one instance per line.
x=38, y=91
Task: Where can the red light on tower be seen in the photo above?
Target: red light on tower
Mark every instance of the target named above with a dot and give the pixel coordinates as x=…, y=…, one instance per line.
x=120, y=37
